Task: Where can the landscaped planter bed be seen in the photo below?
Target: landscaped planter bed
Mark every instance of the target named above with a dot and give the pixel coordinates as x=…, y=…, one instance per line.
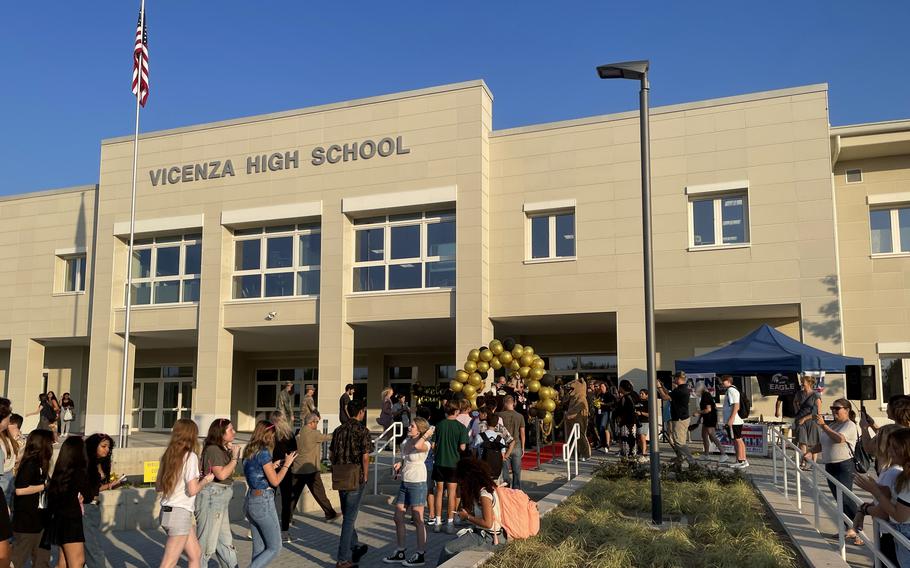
x=712, y=519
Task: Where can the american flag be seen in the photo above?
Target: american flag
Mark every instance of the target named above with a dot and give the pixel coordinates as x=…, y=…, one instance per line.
x=141, y=60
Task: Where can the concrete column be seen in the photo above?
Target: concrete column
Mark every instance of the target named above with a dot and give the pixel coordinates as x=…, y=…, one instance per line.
x=215, y=345
x=631, y=358
x=336, y=337
x=26, y=363
x=102, y=411
x=378, y=379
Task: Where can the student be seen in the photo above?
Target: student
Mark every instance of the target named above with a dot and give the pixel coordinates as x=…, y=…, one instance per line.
x=350, y=457
x=808, y=408
x=99, y=455
x=894, y=505
x=343, y=403
x=733, y=423
x=643, y=424
x=479, y=507
x=385, y=414
x=285, y=443
x=413, y=493
x=178, y=483
x=262, y=474
x=308, y=404
x=514, y=423
x=491, y=446
x=55, y=405
x=68, y=485
x=604, y=414
x=679, y=416
x=307, y=468
x=708, y=411
x=46, y=414
x=838, y=441
x=286, y=402
x=213, y=524
x=67, y=413
x=626, y=418
x=5, y=526
x=9, y=453
x=886, y=475
x=451, y=440
x=29, y=513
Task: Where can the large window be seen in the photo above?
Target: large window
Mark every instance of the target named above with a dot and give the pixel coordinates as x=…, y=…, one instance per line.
x=719, y=220
x=161, y=395
x=890, y=230
x=551, y=235
x=404, y=252
x=892, y=375
x=270, y=381
x=74, y=277
x=599, y=366
x=278, y=261
x=166, y=269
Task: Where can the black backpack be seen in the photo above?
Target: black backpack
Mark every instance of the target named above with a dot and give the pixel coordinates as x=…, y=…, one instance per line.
x=491, y=453
x=745, y=406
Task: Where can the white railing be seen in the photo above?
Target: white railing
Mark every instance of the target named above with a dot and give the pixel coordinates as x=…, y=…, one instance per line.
x=783, y=463
x=393, y=432
x=570, y=451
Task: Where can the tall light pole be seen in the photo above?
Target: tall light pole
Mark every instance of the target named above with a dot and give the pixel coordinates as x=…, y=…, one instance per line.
x=638, y=70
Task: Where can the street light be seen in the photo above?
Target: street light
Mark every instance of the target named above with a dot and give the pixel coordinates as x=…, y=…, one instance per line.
x=638, y=70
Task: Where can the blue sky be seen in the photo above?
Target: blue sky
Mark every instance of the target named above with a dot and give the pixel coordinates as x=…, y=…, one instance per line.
x=66, y=65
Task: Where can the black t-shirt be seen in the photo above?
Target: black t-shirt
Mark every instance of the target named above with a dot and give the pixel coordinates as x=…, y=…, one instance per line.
x=343, y=407
x=679, y=403
x=625, y=412
x=27, y=518
x=47, y=412
x=787, y=405
x=707, y=404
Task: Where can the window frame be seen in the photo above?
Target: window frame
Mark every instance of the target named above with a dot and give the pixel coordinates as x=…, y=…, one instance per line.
x=424, y=220
x=299, y=230
x=894, y=218
x=183, y=240
x=717, y=199
x=847, y=173
x=905, y=370
x=81, y=272
x=303, y=375
x=551, y=215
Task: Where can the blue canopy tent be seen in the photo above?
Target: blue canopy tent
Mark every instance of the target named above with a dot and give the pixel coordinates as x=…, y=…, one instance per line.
x=765, y=351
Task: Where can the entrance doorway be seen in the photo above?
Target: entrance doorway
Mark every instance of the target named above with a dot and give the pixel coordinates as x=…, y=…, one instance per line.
x=161, y=395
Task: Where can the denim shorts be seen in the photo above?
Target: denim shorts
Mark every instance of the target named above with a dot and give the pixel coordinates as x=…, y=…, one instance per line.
x=177, y=522
x=412, y=494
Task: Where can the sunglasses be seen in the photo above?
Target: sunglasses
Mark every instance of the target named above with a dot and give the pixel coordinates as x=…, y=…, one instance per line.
x=836, y=408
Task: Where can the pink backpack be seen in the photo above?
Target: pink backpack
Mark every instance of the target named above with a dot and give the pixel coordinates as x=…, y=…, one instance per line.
x=519, y=515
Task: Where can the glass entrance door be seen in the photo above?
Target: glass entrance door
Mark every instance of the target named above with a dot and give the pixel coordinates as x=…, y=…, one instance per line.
x=161, y=395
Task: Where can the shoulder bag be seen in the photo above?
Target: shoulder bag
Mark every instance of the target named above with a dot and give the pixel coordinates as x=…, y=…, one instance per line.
x=861, y=459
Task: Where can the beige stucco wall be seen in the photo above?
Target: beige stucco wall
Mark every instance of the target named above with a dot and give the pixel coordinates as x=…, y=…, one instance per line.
x=875, y=291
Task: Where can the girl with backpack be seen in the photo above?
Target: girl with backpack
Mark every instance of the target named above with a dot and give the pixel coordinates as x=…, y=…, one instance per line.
x=480, y=507
x=413, y=492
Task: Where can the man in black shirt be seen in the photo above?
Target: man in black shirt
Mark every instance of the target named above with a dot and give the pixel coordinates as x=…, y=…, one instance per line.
x=679, y=417
x=343, y=402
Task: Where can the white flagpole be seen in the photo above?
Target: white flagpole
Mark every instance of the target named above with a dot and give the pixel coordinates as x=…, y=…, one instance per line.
x=124, y=425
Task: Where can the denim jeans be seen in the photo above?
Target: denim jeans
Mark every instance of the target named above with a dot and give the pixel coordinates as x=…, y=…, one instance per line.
x=843, y=471
x=350, y=506
x=263, y=517
x=469, y=541
x=903, y=554
x=7, y=483
x=213, y=525
x=91, y=528
x=514, y=462
x=603, y=423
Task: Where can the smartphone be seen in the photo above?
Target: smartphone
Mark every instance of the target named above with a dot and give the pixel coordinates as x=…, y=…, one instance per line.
x=122, y=478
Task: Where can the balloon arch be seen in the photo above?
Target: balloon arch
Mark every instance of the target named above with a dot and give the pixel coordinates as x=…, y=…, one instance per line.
x=513, y=357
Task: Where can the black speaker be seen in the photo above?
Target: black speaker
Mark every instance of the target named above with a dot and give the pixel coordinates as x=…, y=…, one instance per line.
x=666, y=379
x=861, y=382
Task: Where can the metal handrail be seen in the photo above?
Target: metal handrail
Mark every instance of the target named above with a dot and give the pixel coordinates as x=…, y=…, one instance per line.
x=570, y=450
x=779, y=447
x=396, y=429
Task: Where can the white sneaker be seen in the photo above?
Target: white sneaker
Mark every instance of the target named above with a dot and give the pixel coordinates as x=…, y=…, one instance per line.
x=723, y=458
x=740, y=465
x=437, y=526
x=450, y=527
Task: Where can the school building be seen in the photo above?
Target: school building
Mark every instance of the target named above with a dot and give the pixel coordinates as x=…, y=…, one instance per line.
x=377, y=241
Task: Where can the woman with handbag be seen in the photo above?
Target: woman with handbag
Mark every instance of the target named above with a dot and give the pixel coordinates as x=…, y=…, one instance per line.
x=30, y=511
x=838, y=441
x=68, y=413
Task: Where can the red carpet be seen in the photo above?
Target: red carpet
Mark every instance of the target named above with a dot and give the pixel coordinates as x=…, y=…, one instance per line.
x=529, y=459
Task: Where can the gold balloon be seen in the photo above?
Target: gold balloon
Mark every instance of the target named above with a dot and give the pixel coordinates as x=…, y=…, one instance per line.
x=505, y=357
x=470, y=366
x=495, y=364
x=483, y=366
x=536, y=373
x=538, y=363
x=528, y=350
x=475, y=381
x=456, y=386
x=486, y=355
x=533, y=385
x=549, y=405
x=548, y=418
x=462, y=376
x=523, y=371
x=518, y=351
x=514, y=365
x=545, y=392
x=469, y=390
x=496, y=347
x=474, y=402
x=526, y=359
x=473, y=355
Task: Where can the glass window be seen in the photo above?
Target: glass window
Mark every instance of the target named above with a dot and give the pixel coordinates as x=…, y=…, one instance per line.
x=269, y=383
x=405, y=242
x=564, y=363
x=291, y=262
x=703, y=222
x=378, y=267
x=565, y=235
x=540, y=237
x=142, y=263
x=167, y=292
x=734, y=219
x=892, y=369
x=74, y=279
x=880, y=221
x=191, y=290
x=192, y=263
x=142, y=294
x=158, y=275
x=168, y=261
x=445, y=372
x=903, y=223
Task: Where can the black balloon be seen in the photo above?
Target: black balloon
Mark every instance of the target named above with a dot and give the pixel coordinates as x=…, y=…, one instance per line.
x=532, y=412
x=508, y=343
x=483, y=374
x=457, y=396
x=548, y=380
x=500, y=372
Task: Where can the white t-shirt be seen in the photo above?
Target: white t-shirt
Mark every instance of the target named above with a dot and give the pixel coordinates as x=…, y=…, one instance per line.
x=497, y=514
x=178, y=497
x=888, y=478
x=414, y=469
x=501, y=432
x=730, y=399
x=834, y=452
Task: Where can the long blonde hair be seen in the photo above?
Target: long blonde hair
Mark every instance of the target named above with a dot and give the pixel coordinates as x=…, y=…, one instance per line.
x=899, y=448
x=282, y=428
x=184, y=440
x=263, y=438
x=386, y=393
x=883, y=457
